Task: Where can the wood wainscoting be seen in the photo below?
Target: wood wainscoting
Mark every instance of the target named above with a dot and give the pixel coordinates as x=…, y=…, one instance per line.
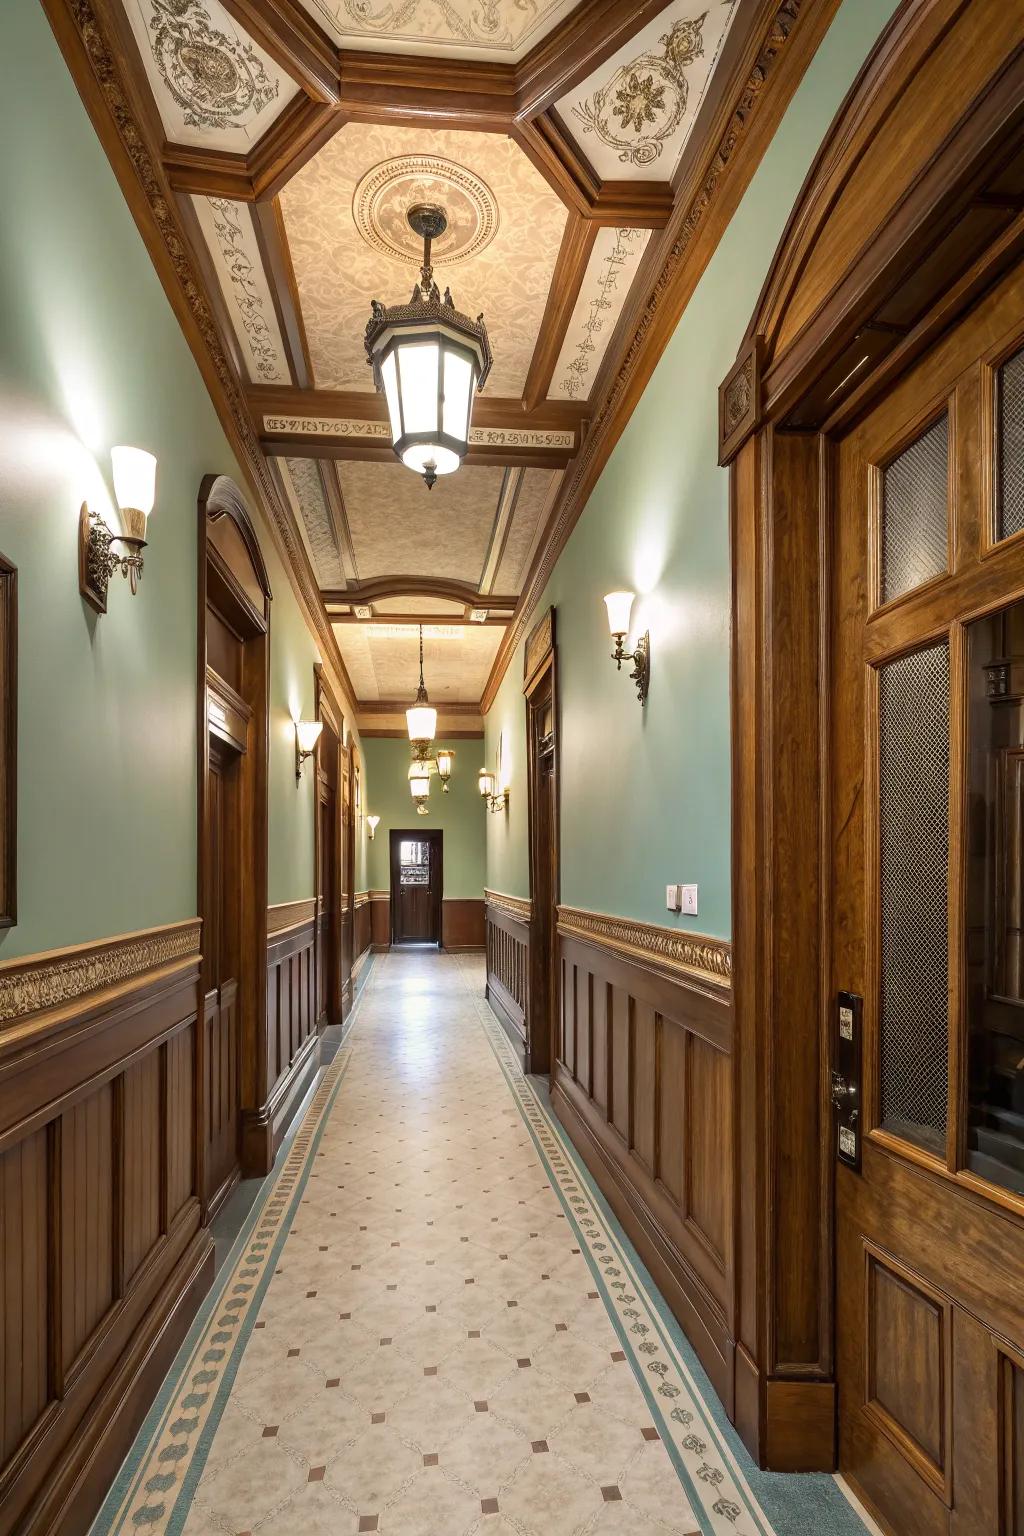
x=363, y=935
x=462, y=923
x=103, y=1259
x=293, y=1045
x=380, y=919
x=642, y=1082
x=508, y=966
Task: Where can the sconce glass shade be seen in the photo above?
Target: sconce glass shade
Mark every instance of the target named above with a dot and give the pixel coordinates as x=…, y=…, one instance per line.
x=485, y=783
x=373, y=822
x=134, y=488
x=419, y=787
x=445, y=761
x=422, y=722
x=307, y=734
x=619, y=606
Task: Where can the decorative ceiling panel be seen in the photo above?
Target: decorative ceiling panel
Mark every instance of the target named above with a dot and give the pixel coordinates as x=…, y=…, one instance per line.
x=213, y=86
x=383, y=662
x=535, y=499
x=443, y=606
x=231, y=240
x=610, y=272
x=483, y=29
x=399, y=527
x=633, y=116
x=345, y=213
x=301, y=479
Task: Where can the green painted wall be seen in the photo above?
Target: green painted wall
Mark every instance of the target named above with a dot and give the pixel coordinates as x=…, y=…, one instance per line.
x=91, y=355
x=645, y=794
x=460, y=814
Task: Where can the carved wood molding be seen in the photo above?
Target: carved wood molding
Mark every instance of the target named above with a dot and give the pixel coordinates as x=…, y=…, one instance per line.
x=59, y=976
x=99, y=70
x=649, y=334
x=362, y=899
x=380, y=895
x=665, y=949
x=289, y=914
x=512, y=906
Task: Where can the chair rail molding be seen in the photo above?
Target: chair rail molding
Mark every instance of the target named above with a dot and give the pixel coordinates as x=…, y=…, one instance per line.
x=55, y=977
x=290, y=914
x=675, y=954
x=513, y=906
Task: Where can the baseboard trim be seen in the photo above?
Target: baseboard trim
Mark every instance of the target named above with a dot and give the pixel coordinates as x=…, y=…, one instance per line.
x=715, y=1349
x=263, y=1130
x=515, y=1031
x=80, y=1481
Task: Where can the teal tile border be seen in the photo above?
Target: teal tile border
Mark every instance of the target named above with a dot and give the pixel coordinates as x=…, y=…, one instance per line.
x=786, y=1504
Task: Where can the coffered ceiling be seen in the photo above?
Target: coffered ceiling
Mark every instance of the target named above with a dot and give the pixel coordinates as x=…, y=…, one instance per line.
x=559, y=136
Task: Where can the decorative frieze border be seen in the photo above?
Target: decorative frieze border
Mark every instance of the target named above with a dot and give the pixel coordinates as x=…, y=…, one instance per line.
x=290, y=914
x=479, y=437
x=512, y=906
x=664, y=949
x=59, y=976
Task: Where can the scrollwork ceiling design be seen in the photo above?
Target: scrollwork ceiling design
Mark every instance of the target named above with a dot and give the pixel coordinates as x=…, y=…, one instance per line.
x=494, y=29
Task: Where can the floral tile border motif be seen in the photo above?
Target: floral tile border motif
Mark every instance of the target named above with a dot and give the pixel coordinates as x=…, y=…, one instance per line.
x=711, y=1477
x=154, y=1491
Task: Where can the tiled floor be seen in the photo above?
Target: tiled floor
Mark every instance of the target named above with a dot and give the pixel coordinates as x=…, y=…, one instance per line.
x=416, y=1335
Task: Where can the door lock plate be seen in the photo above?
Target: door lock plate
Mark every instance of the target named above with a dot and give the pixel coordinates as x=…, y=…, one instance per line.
x=846, y=1078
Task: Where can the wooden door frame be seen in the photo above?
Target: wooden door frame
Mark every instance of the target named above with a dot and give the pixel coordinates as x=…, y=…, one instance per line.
x=540, y=666
x=796, y=384
x=434, y=836
x=349, y=872
x=329, y=712
x=220, y=499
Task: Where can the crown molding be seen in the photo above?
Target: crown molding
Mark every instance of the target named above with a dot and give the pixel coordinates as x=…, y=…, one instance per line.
x=767, y=74
x=60, y=976
x=669, y=951
x=99, y=70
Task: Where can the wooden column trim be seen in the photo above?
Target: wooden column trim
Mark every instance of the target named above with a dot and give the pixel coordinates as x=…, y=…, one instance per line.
x=268, y=222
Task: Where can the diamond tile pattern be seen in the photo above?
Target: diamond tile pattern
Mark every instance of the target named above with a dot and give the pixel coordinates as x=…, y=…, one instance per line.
x=455, y=1370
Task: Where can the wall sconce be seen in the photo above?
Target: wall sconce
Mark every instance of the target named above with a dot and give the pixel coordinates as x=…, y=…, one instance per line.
x=496, y=799
x=373, y=822
x=307, y=734
x=419, y=786
x=620, y=605
x=135, y=491
x=445, y=763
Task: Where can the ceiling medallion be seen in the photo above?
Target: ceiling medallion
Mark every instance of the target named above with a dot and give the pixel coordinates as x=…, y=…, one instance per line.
x=429, y=361
x=382, y=199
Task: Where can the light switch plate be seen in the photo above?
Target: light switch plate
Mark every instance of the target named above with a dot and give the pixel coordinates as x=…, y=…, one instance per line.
x=673, y=898
x=689, y=895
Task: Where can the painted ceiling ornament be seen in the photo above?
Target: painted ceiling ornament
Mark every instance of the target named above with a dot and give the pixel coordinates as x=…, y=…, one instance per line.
x=383, y=197
x=214, y=78
x=486, y=21
x=643, y=103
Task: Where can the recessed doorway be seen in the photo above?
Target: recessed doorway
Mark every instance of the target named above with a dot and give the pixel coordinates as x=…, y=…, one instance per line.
x=417, y=881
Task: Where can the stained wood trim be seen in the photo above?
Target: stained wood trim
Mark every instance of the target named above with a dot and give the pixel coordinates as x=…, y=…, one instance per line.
x=567, y=280
x=8, y=744
x=268, y=223
x=292, y=39
x=58, y=976
x=378, y=587
x=370, y=406
x=765, y=79
x=675, y=954
x=516, y=907
x=410, y=89
x=103, y=75
x=290, y=914
x=573, y=49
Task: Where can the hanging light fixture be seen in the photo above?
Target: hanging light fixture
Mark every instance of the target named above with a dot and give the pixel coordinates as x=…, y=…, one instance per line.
x=420, y=717
x=429, y=360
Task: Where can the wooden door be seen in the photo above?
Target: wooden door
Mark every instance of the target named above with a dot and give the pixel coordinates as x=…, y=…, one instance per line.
x=221, y=947
x=416, y=887
x=542, y=769
x=927, y=709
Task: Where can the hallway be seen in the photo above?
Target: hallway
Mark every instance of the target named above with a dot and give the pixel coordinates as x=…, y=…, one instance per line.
x=408, y=1338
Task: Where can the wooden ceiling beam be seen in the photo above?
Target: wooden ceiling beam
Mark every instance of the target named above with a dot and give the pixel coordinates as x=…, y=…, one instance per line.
x=570, y=269
x=290, y=143
x=288, y=33
x=580, y=43
x=376, y=588
x=208, y=172
x=499, y=620
x=411, y=90
x=379, y=451
x=368, y=405
x=277, y=264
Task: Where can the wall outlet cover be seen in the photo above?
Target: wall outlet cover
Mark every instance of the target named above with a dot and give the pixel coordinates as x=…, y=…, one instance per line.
x=689, y=893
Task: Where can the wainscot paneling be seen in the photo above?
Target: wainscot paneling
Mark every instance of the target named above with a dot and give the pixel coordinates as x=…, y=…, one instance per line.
x=462, y=923
x=643, y=1084
x=103, y=1261
x=293, y=1045
x=363, y=927
x=508, y=964
x=380, y=919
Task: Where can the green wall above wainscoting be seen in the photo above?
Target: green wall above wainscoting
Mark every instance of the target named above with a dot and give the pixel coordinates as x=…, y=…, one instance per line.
x=645, y=796
x=91, y=355
x=460, y=814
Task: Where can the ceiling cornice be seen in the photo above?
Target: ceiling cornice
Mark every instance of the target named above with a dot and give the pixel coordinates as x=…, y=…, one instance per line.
x=784, y=36
x=88, y=43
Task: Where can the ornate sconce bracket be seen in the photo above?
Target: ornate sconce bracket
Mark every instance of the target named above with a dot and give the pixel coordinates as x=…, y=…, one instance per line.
x=96, y=563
